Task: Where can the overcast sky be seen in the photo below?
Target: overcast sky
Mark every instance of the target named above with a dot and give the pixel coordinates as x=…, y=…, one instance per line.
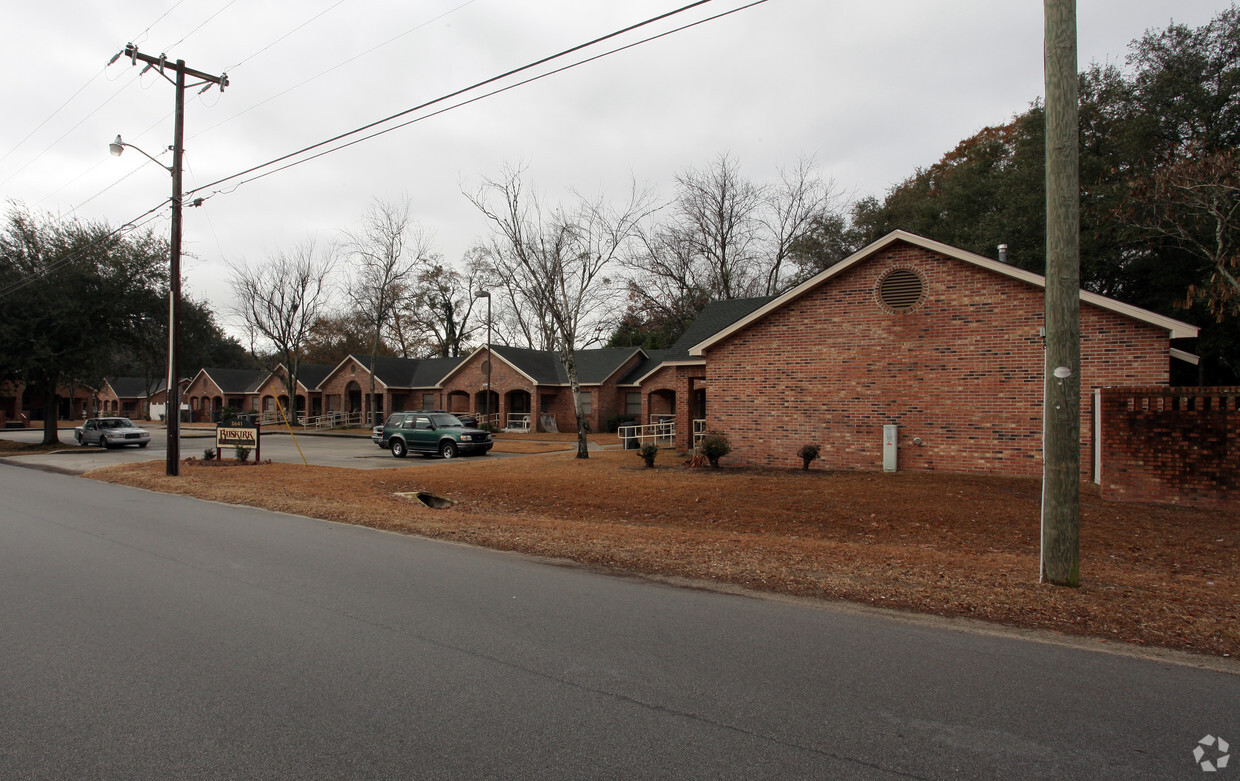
x=871, y=90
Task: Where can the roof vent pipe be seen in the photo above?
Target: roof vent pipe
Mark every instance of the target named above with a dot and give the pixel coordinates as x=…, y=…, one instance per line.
x=1003, y=253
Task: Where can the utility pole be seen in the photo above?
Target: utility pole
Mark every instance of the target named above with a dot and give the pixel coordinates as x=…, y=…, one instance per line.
x=173, y=416
x=1061, y=439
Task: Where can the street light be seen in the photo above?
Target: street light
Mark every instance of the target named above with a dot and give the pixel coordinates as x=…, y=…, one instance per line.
x=486, y=405
x=172, y=415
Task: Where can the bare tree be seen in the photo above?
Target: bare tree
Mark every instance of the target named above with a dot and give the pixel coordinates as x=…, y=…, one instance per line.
x=280, y=301
x=435, y=317
x=385, y=253
x=724, y=236
x=554, y=261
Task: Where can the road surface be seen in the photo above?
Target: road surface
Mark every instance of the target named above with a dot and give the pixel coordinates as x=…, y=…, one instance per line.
x=153, y=636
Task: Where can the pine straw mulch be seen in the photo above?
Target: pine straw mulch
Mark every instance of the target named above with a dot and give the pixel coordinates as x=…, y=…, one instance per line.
x=946, y=544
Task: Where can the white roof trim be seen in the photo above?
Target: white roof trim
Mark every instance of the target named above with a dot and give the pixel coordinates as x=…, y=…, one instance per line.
x=1177, y=329
x=443, y=380
x=660, y=367
x=1185, y=356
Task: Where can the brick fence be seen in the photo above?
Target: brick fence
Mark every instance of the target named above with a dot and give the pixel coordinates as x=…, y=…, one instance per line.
x=1171, y=445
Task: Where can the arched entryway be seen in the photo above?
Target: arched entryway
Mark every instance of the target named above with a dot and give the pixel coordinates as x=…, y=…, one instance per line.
x=487, y=403
x=353, y=397
x=517, y=409
x=661, y=404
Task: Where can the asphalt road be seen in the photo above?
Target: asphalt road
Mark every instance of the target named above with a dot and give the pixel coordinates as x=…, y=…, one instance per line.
x=153, y=636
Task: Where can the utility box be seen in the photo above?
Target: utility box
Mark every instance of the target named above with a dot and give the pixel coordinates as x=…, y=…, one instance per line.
x=889, y=448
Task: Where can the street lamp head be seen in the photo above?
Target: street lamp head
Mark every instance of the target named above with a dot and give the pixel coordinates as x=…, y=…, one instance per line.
x=479, y=294
x=117, y=146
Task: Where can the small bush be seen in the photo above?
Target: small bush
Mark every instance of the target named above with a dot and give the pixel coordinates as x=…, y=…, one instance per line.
x=714, y=445
x=614, y=423
x=647, y=453
x=243, y=453
x=208, y=454
x=808, y=453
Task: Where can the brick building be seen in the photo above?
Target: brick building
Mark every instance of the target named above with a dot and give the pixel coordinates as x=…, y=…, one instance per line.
x=945, y=344
x=530, y=388
x=211, y=390
x=128, y=397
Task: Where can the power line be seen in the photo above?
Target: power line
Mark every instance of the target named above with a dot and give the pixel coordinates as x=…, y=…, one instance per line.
x=126, y=227
x=340, y=64
x=464, y=90
x=464, y=102
x=287, y=34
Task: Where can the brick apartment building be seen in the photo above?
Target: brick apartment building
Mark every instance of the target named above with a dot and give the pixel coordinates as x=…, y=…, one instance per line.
x=945, y=344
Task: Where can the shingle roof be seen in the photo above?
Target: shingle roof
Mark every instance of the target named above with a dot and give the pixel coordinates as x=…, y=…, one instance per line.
x=132, y=387
x=395, y=372
x=716, y=316
x=311, y=374
x=238, y=380
x=545, y=368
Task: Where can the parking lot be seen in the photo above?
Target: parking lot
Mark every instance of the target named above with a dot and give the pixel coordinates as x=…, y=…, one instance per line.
x=352, y=450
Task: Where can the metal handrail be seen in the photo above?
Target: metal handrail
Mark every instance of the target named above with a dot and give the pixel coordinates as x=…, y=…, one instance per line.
x=661, y=434
x=518, y=421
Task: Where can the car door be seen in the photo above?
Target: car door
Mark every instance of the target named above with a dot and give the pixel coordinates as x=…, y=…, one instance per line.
x=90, y=432
x=424, y=437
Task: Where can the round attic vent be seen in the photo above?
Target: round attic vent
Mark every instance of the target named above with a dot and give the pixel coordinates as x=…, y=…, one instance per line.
x=901, y=289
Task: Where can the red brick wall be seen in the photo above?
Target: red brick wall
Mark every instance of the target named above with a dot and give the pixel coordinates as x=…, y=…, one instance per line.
x=961, y=372
x=1171, y=445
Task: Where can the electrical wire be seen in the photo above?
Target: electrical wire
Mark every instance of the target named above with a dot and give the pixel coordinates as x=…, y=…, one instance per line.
x=126, y=227
x=50, y=117
x=67, y=132
x=462, y=91
x=209, y=19
x=484, y=96
x=287, y=34
x=340, y=64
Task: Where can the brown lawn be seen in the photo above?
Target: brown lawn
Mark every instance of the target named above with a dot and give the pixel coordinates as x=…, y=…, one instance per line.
x=942, y=544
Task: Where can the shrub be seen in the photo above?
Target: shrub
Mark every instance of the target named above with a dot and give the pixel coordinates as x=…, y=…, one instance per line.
x=647, y=453
x=243, y=453
x=614, y=423
x=714, y=445
x=808, y=453
x=208, y=454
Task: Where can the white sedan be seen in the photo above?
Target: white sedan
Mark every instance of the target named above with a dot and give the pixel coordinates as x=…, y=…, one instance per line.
x=111, y=432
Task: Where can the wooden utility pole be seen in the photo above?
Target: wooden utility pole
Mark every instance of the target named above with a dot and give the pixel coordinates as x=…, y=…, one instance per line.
x=1061, y=439
x=173, y=415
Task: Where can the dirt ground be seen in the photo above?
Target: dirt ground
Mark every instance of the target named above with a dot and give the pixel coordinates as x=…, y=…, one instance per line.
x=932, y=543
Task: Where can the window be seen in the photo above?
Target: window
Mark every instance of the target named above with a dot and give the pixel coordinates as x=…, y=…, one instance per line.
x=428, y=401
x=901, y=289
x=633, y=404
x=587, y=402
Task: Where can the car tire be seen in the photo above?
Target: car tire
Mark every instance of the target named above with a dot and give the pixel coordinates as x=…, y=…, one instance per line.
x=81, y=442
x=399, y=449
x=103, y=442
x=448, y=450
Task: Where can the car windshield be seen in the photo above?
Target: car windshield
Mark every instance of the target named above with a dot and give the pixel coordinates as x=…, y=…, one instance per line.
x=116, y=423
x=442, y=420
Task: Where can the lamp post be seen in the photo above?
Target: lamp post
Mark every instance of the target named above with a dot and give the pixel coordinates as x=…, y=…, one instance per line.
x=174, y=271
x=173, y=407
x=486, y=407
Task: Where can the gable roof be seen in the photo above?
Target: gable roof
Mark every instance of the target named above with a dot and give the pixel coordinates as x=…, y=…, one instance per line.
x=132, y=387
x=311, y=375
x=714, y=317
x=396, y=372
x=543, y=367
x=236, y=381
x=1177, y=329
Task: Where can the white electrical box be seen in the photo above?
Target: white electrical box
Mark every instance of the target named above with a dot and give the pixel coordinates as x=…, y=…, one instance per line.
x=889, y=448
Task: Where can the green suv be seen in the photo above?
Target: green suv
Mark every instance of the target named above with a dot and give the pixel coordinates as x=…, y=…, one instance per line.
x=431, y=433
